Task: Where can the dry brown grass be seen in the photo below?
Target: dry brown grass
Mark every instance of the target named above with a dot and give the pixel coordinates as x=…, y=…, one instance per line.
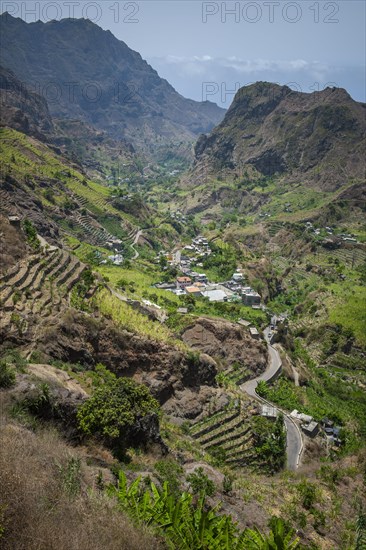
x=37, y=512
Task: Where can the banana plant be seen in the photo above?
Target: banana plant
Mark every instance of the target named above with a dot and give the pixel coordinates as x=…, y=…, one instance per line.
x=189, y=524
x=280, y=537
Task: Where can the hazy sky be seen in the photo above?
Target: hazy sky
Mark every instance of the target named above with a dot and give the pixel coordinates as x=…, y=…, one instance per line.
x=207, y=49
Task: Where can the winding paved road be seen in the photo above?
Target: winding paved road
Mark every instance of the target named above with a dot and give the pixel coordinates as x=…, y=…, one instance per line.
x=294, y=444
x=135, y=241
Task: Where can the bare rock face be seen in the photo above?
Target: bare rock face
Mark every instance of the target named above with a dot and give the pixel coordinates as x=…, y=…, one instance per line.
x=50, y=397
x=12, y=244
x=190, y=403
x=167, y=371
x=146, y=433
x=313, y=138
x=227, y=343
x=22, y=109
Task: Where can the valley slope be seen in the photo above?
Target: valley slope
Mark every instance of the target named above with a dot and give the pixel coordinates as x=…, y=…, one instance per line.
x=89, y=75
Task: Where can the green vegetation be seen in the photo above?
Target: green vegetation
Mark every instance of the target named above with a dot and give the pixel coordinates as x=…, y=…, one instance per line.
x=270, y=443
x=326, y=397
x=127, y=317
x=7, y=374
x=80, y=290
x=350, y=309
x=361, y=532
x=188, y=523
x=200, y=483
x=11, y=362
x=31, y=234
x=222, y=263
x=115, y=407
x=70, y=476
x=169, y=470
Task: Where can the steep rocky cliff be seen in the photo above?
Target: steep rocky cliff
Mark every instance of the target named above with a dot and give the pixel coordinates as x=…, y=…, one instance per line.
x=273, y=131
x=89, y=75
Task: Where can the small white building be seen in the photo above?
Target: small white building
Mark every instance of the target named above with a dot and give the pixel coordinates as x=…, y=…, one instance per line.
x=269, y=411
x=116, y=259
x=254, y=333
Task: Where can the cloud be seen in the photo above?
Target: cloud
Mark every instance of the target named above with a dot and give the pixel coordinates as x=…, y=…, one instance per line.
x=190, y=74
x=207, y=66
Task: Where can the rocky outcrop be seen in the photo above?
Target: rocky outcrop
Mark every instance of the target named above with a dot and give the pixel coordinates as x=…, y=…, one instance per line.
x=315, y=138
x=52, y=395
x=12, y=244
x=77, y=338
x=227, y=343
x=44, y=391
x=22, y=109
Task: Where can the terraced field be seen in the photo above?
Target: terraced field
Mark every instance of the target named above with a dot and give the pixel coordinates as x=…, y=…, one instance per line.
x=350, y=256
x=231, y=432
x=237, y=375
x=37, y=286
x=274, y=228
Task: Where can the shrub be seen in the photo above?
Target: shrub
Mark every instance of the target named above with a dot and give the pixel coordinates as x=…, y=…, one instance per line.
x=227, y=484
x=41, y=402
x=7, y=375
x=219, y=455
x=169, y=470
x=200, y=483
x=308, y=493
x=262, y=388
x=70, y=475
x=193, y=359
x=31, y=234
x=114, y=407
x=14, y=357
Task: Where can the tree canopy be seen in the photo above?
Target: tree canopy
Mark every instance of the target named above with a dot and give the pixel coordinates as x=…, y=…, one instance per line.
x=114, y=407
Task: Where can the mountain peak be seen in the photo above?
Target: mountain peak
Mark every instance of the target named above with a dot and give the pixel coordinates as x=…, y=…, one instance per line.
x=279, y=131
x=98, y=79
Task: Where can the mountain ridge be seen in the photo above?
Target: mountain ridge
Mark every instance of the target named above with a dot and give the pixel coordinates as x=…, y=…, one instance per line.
x=275, y=131
x=97, y=78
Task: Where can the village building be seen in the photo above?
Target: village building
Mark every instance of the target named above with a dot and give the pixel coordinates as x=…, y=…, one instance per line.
x=166, y=286
x=183, y=282
x=116, y=259
x=200, y=285
x=215, y=295
x=251, y=298
x=269, y=411
x=306, y=418
x=254, y=333
x=237, y=277
x=199, y=277
x=310, y=429
x=193, y=291
x=244, y=323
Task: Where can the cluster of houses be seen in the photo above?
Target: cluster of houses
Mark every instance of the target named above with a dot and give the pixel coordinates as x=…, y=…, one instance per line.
x=193, y=253
x=311, y=428
x=116, y=259
x=196, y=284
x=329, y=231
x=178, y=216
